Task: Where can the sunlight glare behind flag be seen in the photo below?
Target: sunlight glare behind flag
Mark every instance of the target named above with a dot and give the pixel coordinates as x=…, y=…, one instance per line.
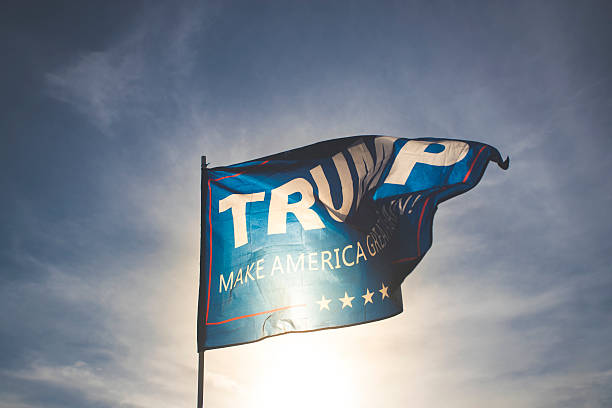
x=322, y=236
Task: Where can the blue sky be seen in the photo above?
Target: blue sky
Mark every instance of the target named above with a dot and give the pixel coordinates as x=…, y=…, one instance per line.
x=107, y=107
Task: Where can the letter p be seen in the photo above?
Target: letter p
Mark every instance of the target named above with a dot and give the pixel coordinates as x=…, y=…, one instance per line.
x=413, y=152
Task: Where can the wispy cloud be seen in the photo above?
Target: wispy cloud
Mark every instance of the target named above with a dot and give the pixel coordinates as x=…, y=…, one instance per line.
x=132, y=77
x=510, y=306
x=102, y=85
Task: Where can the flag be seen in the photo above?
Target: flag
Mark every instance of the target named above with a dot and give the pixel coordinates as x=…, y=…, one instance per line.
x=322, y=236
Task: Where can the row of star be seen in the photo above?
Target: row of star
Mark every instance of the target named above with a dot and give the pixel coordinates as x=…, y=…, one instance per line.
x=347, y=300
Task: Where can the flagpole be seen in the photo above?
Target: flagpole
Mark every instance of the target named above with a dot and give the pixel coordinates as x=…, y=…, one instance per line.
x=205, y=198
x=200, y=379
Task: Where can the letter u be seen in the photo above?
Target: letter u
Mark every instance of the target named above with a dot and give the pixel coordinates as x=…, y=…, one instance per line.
x=346, y=182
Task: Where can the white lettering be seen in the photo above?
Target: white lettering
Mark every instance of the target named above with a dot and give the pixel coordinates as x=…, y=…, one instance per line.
x=279, y=207
x=226, y=285
x=248, y=275
x=277, y=265
x=369, y=170
x=259, y=268
x=413, y=152
x=370, y=245
x=326, y=260
x=360, y=253
x=293, y=267
x=336, y=251
x=344, y=256
x=312, y=260
x=346, y=182
x=238, y=278
x=237, y=203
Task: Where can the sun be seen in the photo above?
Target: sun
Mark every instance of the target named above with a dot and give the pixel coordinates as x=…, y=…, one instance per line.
x=302, y=371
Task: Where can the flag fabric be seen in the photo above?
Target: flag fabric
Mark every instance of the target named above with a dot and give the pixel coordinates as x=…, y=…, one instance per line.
x=322, y=236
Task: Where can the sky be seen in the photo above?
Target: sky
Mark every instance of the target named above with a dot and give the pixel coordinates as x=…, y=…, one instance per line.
x=106, y=108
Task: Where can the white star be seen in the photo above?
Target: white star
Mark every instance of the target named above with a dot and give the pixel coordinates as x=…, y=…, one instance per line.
x=323, y=303
x=346, y=300
x=367, y=297
x=384, y=291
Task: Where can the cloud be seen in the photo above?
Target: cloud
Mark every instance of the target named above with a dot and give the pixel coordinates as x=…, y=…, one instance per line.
x=510, y=306
x=100, y=84
x=130, y=79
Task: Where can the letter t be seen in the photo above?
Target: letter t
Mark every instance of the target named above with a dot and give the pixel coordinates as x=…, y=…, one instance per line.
x=237, y=202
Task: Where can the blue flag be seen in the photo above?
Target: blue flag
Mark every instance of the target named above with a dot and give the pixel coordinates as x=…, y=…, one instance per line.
x=322, y=236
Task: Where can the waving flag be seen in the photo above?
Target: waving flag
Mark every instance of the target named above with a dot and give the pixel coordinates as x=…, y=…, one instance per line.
x=322, y=236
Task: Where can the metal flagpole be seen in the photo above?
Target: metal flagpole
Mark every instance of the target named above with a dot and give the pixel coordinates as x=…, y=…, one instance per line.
x=200, y=379
x=204, y=196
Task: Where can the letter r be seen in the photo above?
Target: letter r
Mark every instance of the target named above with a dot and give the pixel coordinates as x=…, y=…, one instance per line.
x=280, y=207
